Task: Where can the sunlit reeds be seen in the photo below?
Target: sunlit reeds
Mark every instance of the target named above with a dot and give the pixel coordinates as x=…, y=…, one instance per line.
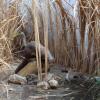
x=74, y=40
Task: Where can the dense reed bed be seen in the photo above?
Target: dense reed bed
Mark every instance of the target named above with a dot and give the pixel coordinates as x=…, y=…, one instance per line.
x=74, y=40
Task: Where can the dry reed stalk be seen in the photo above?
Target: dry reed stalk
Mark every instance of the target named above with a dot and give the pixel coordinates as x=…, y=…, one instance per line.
x=45, y=22
x=38, y=53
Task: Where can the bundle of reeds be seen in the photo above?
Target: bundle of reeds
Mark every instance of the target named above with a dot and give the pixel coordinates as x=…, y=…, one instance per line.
x=9, y=24
x=73, y=40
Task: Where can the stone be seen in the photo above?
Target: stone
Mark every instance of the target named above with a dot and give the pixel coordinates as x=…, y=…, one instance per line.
x=53, y=83
x=43, y=85
x=30, y=68
x=17, y=79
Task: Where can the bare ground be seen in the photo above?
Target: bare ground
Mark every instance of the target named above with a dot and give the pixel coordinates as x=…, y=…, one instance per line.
x=66, y=91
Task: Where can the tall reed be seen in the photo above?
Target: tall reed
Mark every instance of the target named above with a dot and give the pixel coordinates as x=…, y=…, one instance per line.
x=37, y=39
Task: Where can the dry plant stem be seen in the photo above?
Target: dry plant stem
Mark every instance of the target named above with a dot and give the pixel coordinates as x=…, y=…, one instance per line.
x=45, y=13
x=38, y=53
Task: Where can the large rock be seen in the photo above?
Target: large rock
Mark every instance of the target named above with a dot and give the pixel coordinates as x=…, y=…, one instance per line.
x=30, y=68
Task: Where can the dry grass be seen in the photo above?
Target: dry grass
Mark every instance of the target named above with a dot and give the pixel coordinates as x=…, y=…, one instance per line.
x=73, y=40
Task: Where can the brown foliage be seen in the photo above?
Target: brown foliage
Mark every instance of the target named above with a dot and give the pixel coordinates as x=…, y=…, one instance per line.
x=55, y=28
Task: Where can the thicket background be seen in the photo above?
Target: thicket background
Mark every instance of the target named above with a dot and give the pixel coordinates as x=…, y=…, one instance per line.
x=71, y=32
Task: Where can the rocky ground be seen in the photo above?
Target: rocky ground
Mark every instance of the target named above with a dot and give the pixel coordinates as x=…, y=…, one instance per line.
x=65, y=91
